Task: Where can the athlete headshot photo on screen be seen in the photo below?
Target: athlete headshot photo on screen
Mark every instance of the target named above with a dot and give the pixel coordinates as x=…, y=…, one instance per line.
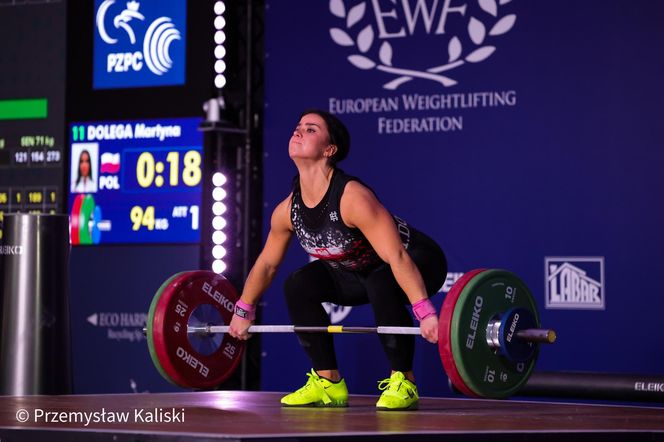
x=84, y=167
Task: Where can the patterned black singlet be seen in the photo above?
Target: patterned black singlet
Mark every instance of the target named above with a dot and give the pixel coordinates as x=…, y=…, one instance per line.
x=323, y=234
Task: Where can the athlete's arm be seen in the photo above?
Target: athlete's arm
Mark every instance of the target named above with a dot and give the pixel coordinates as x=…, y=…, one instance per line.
x=261, y=274
x=361, y=209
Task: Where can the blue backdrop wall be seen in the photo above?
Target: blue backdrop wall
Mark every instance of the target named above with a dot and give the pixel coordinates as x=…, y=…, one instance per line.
x=519, y=134
x=111, y=290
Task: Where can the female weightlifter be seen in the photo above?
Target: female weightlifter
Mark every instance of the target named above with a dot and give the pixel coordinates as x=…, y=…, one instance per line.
x=364, y=255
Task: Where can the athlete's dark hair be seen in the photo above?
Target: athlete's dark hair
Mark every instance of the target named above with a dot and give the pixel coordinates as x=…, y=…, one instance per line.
x=339, y=135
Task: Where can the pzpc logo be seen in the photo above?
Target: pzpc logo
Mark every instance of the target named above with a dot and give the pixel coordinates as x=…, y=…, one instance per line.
x=465, y=33
x=139, y=43
x=575, y=283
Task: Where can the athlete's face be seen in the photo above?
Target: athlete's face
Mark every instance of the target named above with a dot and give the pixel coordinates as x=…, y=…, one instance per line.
x=84, y=165
x=310, y=139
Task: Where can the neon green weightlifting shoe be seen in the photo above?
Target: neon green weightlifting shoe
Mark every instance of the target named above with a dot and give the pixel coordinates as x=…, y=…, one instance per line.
x=398, y=393
x=318, y=392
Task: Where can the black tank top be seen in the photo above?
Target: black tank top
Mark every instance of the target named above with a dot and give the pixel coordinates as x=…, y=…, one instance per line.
x=323, y=234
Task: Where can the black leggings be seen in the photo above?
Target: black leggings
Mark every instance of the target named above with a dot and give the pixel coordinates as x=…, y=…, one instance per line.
x=318, y=282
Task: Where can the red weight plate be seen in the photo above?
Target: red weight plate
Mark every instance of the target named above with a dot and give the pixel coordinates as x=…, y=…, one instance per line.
x=183, y=363
x=445, y=332
x=75, y=219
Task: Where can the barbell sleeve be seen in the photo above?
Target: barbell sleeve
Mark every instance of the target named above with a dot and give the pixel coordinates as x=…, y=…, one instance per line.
x=538, y=335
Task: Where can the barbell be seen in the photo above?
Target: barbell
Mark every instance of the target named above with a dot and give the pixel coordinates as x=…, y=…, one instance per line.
x=488, y=332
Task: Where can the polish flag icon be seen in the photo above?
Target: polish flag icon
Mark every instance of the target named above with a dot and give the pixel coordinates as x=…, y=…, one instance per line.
x=110, y=162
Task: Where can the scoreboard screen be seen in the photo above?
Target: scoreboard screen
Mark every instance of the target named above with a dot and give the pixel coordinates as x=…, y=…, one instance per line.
x=32, y=107
x=135, y=181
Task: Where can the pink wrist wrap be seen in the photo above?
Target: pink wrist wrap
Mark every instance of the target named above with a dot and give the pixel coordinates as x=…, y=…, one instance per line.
x=423, y=309
x=244, y=310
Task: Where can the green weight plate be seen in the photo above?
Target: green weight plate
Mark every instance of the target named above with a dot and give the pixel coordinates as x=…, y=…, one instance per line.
x=150, y=325
x=87, y=209
x=485, y=296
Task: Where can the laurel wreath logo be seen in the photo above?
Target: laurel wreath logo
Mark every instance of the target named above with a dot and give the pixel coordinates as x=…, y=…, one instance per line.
x=477, y=31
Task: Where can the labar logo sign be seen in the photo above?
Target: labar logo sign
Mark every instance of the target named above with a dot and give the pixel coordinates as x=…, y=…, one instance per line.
x=139, y=44
x=575, y=283
x=378, y=33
